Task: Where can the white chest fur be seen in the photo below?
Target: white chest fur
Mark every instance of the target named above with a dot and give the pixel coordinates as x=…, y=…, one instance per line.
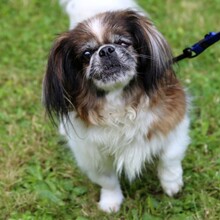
x=122, y=137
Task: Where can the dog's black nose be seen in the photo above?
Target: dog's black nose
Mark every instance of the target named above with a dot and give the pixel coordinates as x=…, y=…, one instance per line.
x=106, y=51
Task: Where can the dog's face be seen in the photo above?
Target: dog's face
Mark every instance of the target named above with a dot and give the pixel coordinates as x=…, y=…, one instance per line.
x=107, y=52
x=110, y=51
x=110, y=62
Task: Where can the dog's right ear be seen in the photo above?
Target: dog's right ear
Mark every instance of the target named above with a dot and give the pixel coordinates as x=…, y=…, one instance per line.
x=59, y=74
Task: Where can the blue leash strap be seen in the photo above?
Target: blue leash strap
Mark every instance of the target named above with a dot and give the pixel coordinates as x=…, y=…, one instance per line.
x=199, y=47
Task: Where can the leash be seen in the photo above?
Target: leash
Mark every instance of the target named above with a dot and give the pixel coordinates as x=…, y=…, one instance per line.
x=199, y=47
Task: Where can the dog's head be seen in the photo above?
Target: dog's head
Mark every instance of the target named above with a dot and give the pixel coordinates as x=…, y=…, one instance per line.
x=110, y=51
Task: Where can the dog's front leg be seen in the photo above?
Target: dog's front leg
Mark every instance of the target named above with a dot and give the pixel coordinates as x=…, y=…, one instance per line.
x=111, y=195
x=99, y=169
x=170, y=168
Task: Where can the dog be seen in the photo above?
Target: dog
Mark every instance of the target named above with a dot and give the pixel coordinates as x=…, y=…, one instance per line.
x=110, y=82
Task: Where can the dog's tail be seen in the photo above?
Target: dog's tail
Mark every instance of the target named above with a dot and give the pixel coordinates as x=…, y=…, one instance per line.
x=79, y=10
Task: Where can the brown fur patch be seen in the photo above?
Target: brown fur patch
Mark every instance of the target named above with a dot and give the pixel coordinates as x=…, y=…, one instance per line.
x=88, y=105
x=169, y=105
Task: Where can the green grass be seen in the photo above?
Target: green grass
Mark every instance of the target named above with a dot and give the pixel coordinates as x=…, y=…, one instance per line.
x=38, y=178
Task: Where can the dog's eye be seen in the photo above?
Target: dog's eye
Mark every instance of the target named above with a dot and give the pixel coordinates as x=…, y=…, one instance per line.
x=124, y=43
x=87, y=54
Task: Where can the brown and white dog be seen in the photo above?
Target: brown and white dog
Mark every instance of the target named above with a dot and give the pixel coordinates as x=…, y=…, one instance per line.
x=111, y=84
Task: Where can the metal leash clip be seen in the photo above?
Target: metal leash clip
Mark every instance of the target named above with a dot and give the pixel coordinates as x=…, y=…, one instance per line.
x=199, y=47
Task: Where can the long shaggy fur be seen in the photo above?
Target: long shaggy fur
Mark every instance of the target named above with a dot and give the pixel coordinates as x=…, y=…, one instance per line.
x=127, y=110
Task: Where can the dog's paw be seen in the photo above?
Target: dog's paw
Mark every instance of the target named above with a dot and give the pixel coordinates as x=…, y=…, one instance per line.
x=171, y=188
x=110, y=200
x=170, y=175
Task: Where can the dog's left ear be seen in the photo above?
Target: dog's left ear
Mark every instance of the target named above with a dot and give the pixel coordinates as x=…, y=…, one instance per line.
x=154, y=53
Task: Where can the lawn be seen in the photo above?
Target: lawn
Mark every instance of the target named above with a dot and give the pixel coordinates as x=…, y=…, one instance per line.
x=38, y=177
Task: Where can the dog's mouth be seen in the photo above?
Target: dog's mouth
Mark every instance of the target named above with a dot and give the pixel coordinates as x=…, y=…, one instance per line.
x=112, y=77
x=107, y=72
x=111, y=68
